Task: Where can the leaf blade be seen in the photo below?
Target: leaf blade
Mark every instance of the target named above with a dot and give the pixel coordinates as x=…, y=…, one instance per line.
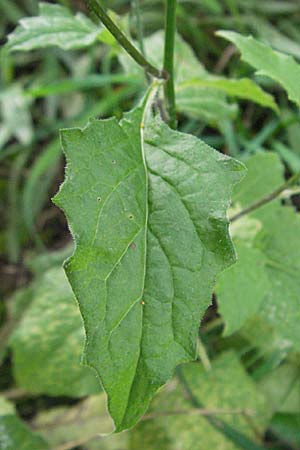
x=126, y=271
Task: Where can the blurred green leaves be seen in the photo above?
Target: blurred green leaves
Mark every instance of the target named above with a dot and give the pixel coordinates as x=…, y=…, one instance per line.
x=225, y=388
x=276, y=299
x=16, y=119
x=14, y=433
x=55, y=26
x=268, y=62
x=199, y=94
x=47, y=342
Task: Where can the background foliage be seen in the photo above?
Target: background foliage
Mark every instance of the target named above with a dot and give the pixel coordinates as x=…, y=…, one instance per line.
x=60, y=68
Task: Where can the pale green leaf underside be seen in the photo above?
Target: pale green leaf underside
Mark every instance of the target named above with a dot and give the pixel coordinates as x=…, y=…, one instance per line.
x=278, y=66
x=151, y=234
x=55, y=26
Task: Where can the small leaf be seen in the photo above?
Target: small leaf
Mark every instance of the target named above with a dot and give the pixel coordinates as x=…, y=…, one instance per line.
x=55, y=26
x=151, y=235
x=268, y=62
x=48, y=362
x=241, y=288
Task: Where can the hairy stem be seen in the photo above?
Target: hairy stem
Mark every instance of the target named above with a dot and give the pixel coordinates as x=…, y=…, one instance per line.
x=95, y=7
x=267, y=199
x=169, y=60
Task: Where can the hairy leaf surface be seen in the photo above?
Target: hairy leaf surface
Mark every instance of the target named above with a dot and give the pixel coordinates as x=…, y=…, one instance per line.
x=151, y=235
x=276, y=65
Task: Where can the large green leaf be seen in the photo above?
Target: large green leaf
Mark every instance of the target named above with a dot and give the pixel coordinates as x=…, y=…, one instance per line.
x=47, y=343
x=175, y=424
x=278, y=66
x=14, y=434
x=151, y=235
x=55, y=26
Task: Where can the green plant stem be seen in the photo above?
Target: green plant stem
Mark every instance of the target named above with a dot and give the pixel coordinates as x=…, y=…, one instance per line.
x=95, y=7
x=267, y=199
x=170, y=29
